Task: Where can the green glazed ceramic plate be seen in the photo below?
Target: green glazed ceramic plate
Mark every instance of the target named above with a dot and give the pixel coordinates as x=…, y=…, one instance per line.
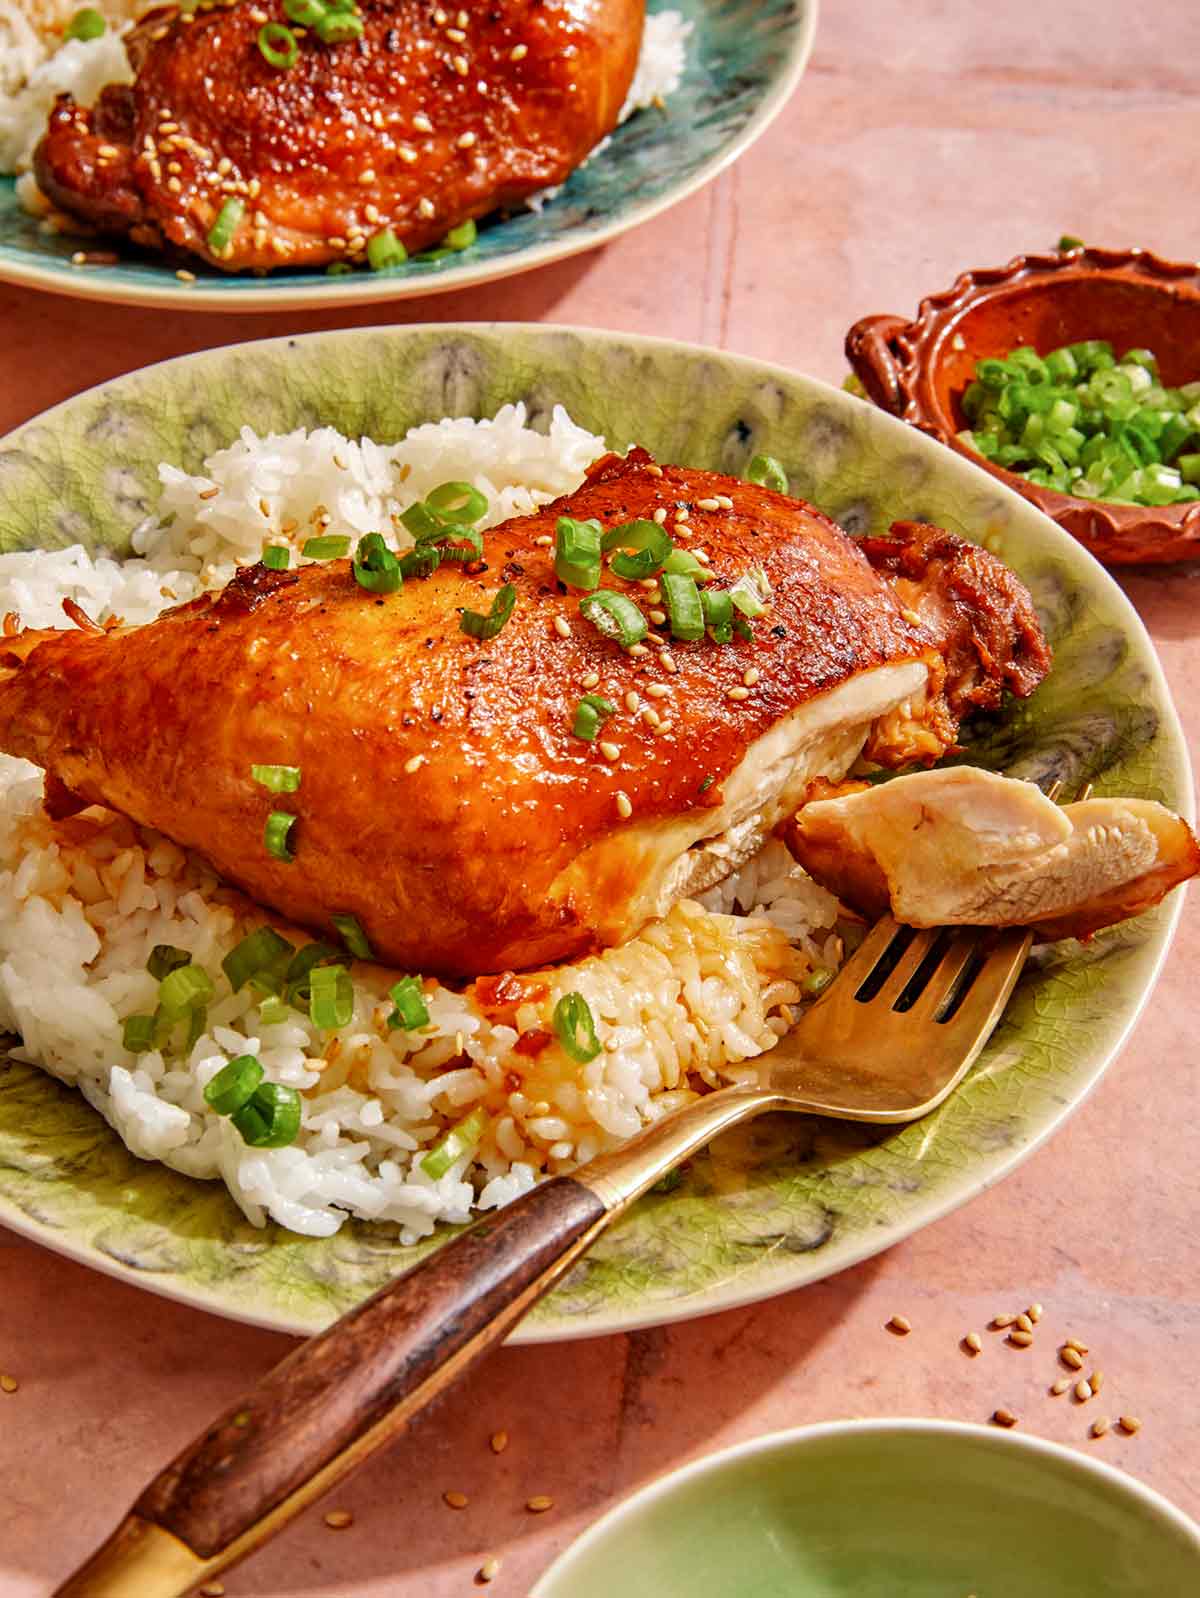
x=769, y=1207
x=874, y=1509
x=744, y=59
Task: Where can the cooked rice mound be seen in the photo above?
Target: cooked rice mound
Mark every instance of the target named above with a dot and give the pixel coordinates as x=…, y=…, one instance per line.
x=683, y=1008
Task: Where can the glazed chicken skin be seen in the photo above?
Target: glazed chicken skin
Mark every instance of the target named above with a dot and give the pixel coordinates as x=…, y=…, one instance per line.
x=417, y=126
x=444, y=799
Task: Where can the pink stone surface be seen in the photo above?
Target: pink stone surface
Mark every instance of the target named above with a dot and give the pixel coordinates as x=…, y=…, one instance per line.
x=926, y=138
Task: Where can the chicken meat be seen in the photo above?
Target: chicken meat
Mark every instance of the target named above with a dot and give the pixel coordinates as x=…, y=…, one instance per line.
x=426, y=120
x=445, y=800
x=969, y=848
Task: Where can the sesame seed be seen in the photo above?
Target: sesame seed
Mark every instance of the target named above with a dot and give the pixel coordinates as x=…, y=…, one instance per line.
x=624, y=810
x=660, y=515
x=414, y=763
x=371, y=212
x=8, y=1384
x=1130, y=1424
x=108, y=151
x=591, y=680
x=79, y=258
x=543, y=541
x=466, y=140
x=407, y=154
x=1003, y=1417
x=900, y=1324
x=632, y=702
x=648, y=583
x=562, y=626
x=1019, y=1338
x=539, y=1505
x=212, y=1589
x=518, y=52
x=651, y=716
x=498, y=1442
x=185, y=276
x=338, y=1519
x=456, y=1500
x=1059, y=1387
x=653, y=470
x=665, y=727
x=168, y=127
x=658, y=617
x=737, y=693
x=367, y=175
x=973, y=1343
x=1071, y=1357
x=1083, y=1390
x=910, y=616
x=1024, y=1323
x=422, y=123
x=702, y=556
x=1097, y=1380
x=1099, y=1427
x=707, y=504
x=667, y=661
x=456, y=35
x=724, y=501
x=610, y=750
x=638, y=649
x=999, y=1322
x=425, y=206
x=657, y=690
x=1073, y=1342
x=461, y=65
x=749, y=678
x=1035, y=1313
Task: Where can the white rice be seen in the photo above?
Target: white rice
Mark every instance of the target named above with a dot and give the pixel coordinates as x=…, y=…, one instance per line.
x=679, y=1009
x=36, y=67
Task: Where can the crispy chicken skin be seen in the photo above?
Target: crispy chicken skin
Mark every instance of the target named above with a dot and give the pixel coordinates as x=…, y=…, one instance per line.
x=444, y=799
x=419, y=125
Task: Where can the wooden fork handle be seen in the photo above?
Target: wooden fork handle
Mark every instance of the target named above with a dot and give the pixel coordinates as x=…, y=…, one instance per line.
x=340, y=1396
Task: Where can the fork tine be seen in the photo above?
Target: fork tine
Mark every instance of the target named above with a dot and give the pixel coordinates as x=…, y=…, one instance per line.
x=946, y=973
x=868, y=954
x=996, y=979
x=906, y=967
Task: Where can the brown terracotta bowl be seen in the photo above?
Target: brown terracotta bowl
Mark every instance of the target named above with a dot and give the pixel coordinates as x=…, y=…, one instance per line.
x=919, y=370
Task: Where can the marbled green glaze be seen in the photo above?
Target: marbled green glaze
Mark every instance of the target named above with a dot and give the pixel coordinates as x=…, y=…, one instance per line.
x=744, y=57
x=785, y=1200
x=887, y=1509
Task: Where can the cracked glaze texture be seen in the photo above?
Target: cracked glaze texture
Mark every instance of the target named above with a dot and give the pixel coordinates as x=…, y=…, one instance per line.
x=770, y=1206
x=743, y=59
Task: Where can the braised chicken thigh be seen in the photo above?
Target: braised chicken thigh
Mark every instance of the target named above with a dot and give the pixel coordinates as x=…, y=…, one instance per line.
x=446, y=800
x=430, y=117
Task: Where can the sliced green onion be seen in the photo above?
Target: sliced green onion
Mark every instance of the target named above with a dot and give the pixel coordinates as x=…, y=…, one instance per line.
x=352, y=935
x=817, y=980
x=233, y=1085
x=751, y=592
x=329, y=546
x=476, y=625
x=1069, y=242
x=85, y=24
x=766, y=471
x=375, y=567
x=139, y=1033
x=651, y=548
x=682, y=563
x=384, y=251
x=591, y=710
x=420, y=519
x=577, y=548
x=183, y=989
x=271, y=1120
x=274, y=1010
x=717, y=609
x=409, y=998
x=339, y=269
x=228, y=217
x=461, y=237
x=614, y=615
x=331, y=1001
x=165, y=958
x=277, y=779
x=275, y=835
x=339, y=26
x=684, y=610
x=197, y=1021
x=262, y=950
x=297, y=977
x=278, y=45
x=306, y=12
x=457, y=502
x=277, y=557
x=455, y=541
x=453, y=1145
x=575, y=1027
x=706, y=784
x=420, y=562
x=742, y=627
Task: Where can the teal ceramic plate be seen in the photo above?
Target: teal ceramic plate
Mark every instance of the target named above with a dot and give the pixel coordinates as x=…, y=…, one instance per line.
x=874, y=1509
x=786, y=1200
x=744, y=59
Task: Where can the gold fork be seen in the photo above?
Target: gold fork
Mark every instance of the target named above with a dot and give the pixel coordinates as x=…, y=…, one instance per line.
x=886, y=1042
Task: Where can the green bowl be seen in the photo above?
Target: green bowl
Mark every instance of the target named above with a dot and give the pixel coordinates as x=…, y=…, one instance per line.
x=887, y=1509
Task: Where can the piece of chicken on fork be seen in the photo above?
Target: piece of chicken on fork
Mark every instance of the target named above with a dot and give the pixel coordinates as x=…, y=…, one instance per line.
x=446, y=799
x=412, y=120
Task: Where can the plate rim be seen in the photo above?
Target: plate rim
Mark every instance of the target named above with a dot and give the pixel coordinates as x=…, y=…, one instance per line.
x=758, y=1288
x=794, y=1437
x=371, y=289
